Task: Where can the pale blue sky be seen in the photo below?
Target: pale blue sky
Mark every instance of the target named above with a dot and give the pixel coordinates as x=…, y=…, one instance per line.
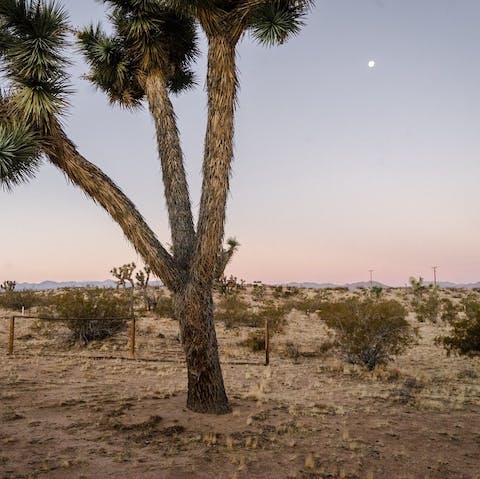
x=338, y=168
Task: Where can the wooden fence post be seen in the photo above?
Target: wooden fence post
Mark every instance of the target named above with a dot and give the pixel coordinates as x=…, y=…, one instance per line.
x=132, y=337
x=267, y=343
x=12, y=335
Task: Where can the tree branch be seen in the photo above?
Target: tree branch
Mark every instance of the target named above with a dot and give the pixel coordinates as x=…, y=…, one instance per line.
x=221, y=87
x=98, y=186
x=224, y=257
x=173, y=170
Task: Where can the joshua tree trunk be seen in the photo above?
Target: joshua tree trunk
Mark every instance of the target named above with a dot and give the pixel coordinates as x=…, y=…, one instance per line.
x=173, y=170
x=193, y=302
x=221, y=87
x=206, y=391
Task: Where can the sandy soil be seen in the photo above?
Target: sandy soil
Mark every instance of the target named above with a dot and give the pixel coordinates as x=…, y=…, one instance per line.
x=66, y=413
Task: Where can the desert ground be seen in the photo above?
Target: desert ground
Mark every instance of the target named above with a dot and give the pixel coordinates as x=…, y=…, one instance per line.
x=91, y=411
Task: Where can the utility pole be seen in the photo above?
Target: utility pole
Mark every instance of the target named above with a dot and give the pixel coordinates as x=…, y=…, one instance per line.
x=371, y=277
x=434, y=275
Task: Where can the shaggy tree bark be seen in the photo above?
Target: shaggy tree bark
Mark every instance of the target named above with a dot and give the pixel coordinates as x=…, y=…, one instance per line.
x=173, y=170
x=206, y=392
x=191, y=272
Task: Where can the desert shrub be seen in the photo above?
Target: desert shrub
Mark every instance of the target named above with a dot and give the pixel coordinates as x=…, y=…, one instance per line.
x=276, y=316
x=307, y=305
x=464, y=337
x=81, y=308
x=164, y=306
x=259, y=291
x=255, y=341
x=429, y=308
x=236, y=312
x=449, y=311
x=376, y=291
x=325, y=347
x=15, y=300
x=426, y=302
x=369, y=332
x=277, y=291
x=292, y=291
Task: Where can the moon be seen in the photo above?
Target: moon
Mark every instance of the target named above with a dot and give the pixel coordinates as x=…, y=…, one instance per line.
x=371, y=63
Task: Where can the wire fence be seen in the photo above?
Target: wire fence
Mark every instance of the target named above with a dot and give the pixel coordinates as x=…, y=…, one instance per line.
x=13, y=319
x=132, y=337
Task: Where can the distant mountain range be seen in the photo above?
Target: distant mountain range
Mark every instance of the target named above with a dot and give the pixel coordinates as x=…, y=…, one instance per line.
x=360, y=284
x=45, y=285
x=366, y=284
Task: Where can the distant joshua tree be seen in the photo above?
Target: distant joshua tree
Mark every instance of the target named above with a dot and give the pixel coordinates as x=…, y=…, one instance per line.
x=8, y=285
x=148, y=56
x=124, y=274
x=143, y=278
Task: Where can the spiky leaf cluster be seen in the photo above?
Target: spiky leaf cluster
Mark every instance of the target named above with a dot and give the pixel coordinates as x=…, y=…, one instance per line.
x=19, y=154
x=19, y=149
x=147, y=39
x=32, y=42
x=270, y=22
x=276, y=21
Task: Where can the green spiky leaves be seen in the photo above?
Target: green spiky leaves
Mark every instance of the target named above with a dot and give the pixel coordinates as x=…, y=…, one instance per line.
x=19, y=154
x=147, y=39
x=32, y=43
x=111, y=69
x=276, y=21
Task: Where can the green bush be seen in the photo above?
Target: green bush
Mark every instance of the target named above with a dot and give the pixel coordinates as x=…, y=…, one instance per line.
x=429, y=308
x=236, y=312
x=91, y=314
x=449, y=311
x=15, y=300
x=259, y=291
x=426, y=302
x=276, y=316
x=368, y=332
x=164, y=307
x=376, y=292
x=277, y=291
x=307, y=305
x=464, y=338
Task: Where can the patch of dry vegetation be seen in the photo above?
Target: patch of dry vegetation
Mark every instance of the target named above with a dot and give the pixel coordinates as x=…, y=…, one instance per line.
x=308, y=414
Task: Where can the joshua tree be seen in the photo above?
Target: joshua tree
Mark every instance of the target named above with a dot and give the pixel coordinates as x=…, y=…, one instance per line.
x=225, y=257
x=148, y=55
x=124, y=273
x=143, y=278
x=8, y=285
